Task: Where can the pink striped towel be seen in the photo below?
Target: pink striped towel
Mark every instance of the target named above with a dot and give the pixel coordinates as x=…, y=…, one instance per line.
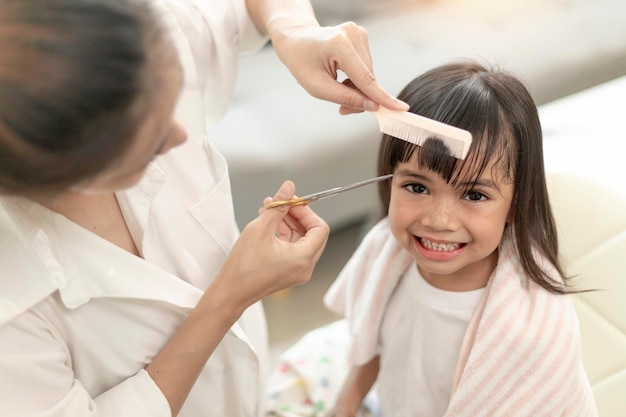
x=521, y=355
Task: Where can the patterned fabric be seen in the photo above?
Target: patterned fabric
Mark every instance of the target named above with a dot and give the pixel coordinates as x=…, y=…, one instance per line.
x=310, y=374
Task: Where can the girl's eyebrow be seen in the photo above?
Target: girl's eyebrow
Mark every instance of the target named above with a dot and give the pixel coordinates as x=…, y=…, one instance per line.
x=408, y=173
x=481, y=182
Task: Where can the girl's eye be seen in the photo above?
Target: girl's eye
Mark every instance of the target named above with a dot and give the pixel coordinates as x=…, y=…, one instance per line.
x=475, y=196
x=416, y=188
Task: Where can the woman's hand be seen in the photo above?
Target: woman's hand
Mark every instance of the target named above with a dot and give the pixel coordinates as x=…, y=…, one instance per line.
x=277, y=250
x=315, y=55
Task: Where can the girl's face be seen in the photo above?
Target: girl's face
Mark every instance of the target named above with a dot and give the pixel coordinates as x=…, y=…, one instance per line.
x=452, y=234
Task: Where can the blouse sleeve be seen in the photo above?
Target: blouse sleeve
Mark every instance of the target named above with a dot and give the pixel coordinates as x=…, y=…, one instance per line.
x=36, y=378
x=209, y=36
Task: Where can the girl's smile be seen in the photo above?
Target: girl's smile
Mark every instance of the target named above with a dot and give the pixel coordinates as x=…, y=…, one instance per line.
x=438, y=250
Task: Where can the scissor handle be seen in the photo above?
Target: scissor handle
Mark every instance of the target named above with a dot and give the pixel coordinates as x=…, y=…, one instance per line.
x=300, y=201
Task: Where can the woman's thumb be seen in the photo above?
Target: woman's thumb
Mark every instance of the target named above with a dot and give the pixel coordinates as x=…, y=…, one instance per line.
x=285, y=192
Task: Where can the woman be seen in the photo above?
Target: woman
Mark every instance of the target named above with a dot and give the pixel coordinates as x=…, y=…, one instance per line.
x=126, y=289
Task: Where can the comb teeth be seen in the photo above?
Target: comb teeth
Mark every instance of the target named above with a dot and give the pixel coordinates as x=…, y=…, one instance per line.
x=416, y=129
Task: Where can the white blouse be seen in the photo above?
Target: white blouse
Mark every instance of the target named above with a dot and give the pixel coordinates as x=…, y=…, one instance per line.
x=80, y=318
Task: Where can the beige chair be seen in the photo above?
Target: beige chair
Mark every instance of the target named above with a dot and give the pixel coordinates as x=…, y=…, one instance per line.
x=597, y=256
x=586, y=164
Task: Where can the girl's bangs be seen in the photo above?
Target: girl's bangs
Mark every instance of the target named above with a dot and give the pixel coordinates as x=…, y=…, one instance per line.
x=492, y=141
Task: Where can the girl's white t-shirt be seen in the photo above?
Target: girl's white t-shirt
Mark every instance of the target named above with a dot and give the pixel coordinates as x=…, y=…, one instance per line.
x=420, y=341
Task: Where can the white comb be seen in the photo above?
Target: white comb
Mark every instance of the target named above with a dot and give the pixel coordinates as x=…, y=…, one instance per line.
x=416, y=129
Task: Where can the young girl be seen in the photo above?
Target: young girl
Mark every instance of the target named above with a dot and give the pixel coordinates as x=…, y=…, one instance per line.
x=456, y=301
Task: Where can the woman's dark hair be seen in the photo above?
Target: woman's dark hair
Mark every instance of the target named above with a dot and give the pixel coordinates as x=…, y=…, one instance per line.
x=496, y=108
x=72, y=74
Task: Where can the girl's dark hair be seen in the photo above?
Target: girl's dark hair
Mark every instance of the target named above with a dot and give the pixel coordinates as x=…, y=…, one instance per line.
x=499, y=112
x=72, y=74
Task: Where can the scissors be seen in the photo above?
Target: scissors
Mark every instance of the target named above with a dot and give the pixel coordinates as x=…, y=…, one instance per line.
x=300, y=201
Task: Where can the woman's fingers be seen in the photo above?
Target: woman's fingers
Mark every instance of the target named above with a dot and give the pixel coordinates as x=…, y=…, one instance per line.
x=289, y=229
x=315, y=55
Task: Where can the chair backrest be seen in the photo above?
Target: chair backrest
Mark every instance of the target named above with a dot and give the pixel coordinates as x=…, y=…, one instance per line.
x=587, y=186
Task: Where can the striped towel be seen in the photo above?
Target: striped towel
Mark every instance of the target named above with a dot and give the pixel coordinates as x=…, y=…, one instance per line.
x=521, y=355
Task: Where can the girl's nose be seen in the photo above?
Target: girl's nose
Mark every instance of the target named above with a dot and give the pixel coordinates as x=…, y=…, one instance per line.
x=440, y=216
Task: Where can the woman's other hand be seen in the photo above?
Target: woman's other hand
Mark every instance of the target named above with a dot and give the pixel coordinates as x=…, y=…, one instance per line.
x=315, y=55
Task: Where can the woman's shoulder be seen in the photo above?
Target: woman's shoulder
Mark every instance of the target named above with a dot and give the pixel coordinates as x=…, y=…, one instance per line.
x=25, y=279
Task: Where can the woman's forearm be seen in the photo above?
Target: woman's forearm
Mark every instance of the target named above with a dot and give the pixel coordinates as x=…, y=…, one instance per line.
x=177, y=367
x=277, y=17
x=271, y=254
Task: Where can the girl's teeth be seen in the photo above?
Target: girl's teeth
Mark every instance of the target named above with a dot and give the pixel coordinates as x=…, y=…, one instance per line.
x=441, y=247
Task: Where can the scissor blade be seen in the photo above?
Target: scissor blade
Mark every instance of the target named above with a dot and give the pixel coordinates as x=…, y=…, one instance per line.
x=334, y=191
